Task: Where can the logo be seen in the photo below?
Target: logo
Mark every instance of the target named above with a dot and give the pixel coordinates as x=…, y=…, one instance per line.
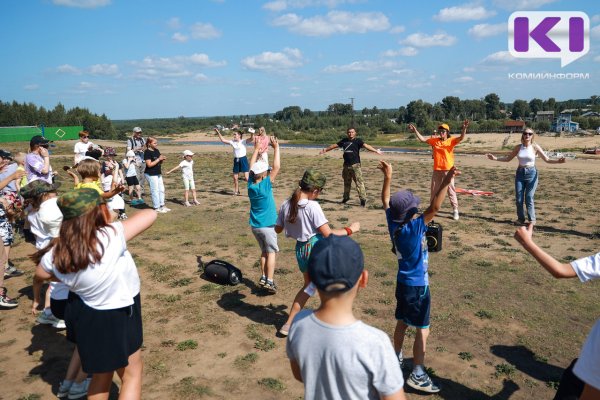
x=549, y=34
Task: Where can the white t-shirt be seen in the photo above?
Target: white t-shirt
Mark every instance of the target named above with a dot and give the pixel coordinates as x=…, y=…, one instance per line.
x=45, y=222
x=310, y=217
x=239, y=148
x=130, y=167
x=587, y=268
x=106, y=182
x=80, y=149
x=187, y=169
x=353, y=361
x=108, y=285
x=587, y=367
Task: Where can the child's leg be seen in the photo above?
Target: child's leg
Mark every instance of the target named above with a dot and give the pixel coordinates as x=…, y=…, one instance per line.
x=399, y=333
x=74, y=371
x=420, y=346
x=131, y=376
x=263, y=263
x=236, y=185
x=186, y=195
x=270, y=266
x=100, y=386
x=47, y=298
x=130, y=191
x=299, y=301
x=138, y=190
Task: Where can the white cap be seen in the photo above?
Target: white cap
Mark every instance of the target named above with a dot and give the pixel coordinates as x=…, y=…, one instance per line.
x=137, y=129
x=251, y=130
x=130, y=153
x=187, y=153
x=259, y=167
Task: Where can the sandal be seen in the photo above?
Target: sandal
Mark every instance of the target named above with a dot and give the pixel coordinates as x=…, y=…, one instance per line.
x=284, y=330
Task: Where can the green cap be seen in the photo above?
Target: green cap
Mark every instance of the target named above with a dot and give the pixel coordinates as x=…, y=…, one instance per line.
x=313, y=178
x=78, y=202
x=38, y=187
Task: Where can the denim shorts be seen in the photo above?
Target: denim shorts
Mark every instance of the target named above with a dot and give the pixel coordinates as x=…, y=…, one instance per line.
x=240, y=165
x=412, y=305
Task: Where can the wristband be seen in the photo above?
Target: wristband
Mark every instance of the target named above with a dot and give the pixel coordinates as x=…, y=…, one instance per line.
x=348, y=231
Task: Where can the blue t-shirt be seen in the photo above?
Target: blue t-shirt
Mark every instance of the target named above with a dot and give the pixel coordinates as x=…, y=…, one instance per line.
x=411, y=250
x=263, y=212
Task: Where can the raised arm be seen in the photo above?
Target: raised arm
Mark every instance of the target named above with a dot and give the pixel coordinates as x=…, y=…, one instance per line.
x=173, y=169
x=372, y=149
x=524, y=235
x=414, y=130
x=463, y=132
x=138, y=223
x=538, y=149
x=326, y=149
x=221, y=137
x=254, y=155
x=439, y=197
x=276, y=158
x=386, y=168
x=72, y=175
x=506, y=158
x=18, y=174
x=44, y=153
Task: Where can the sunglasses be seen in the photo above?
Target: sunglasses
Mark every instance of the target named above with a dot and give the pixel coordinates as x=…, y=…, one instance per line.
x=85, y=137
x=527, y=133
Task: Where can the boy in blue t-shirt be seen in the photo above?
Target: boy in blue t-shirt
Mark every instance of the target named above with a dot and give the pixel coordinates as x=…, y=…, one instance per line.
x=263, y=212
x=407, y=231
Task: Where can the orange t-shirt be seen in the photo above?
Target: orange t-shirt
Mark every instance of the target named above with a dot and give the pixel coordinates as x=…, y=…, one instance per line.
x=443, y=153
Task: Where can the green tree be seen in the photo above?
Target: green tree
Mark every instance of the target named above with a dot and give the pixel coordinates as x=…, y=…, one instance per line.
x=451, y=106
x=492, y=106
x=520, y=109
x=536, y=105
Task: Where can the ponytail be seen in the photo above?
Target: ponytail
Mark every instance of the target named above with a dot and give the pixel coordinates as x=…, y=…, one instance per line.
x=293, y=202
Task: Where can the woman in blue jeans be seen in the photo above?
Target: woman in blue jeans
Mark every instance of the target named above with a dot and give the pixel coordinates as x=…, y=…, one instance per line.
x=153, y=174
x=526, y=178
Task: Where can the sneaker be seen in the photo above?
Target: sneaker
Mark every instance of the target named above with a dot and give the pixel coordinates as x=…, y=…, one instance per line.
x=519, y=223
x=187, y=204
x=262, y=281
x=271, y=286
x=47, y=319
x=284, y=330
x=363, y=203
x=79, y=390
x=161, y=210
x=60, y=324
x=422, y=383
x=345, y=200
x=63, y=389
x=166, y=209
x=196, y=202
x=6, y=301
x=12, y=271
x=455, y=215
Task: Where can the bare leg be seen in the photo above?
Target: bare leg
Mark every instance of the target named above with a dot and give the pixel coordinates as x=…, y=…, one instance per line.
x=299, y=301
x=263, y=263
x=186, y=196
x=47, y=297
x=74, y=371
x=399, y=335
x=420, y=346
x=131, y=376
x=236, y=185
x=270, y=266
x=100, y=386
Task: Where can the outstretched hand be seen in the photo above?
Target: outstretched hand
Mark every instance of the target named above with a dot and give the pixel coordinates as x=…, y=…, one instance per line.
x=386, y=168
x=491, y=156
x=274, y=142
x=412, y=128
x=524, y=234
x=465, y=124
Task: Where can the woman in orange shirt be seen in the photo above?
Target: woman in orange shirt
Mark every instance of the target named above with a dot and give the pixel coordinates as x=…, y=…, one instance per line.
x=443, y=158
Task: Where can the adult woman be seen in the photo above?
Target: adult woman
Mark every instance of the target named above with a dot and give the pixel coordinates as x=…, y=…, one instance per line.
x=240, y=161
x=526, y=178
x=153, y=174
x=443, y=159
x=103, y=313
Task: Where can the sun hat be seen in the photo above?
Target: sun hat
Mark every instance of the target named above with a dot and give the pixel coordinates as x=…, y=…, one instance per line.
x=137, y=129
x=403, y=205
x=313, y=178
x=444, y=126
x=130, y=153
x=259, y=167
x=335, y=264
x=187, y=153
x=78, y=202
x=37, y=187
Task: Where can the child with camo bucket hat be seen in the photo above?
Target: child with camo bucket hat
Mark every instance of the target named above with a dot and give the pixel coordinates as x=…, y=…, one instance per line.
x=302, y=219
x=103, y=314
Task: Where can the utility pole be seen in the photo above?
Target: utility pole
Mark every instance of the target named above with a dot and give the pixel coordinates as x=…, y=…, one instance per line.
x=352, y=110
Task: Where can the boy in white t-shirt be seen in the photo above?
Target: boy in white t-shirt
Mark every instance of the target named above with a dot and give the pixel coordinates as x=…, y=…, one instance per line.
x=187, y=174
x=582, y=378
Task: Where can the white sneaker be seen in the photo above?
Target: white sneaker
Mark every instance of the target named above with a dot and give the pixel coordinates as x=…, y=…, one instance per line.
x=166, y=209
x=60, y=324
x=187, y=204
x=161, y=210
x=455, y=215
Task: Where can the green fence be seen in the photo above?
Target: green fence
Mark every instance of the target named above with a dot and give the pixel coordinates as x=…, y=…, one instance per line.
x=25, y=133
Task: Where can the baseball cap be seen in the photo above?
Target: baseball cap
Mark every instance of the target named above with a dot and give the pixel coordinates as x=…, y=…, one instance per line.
x=37, y=187
x=335, y=264
x=130, y=153
x=137, y=129
x=78, y=202
x=259, y=167
x=6, y=155
x=187, y=153
x=38, y=140
x=313, y=178
x=403, y=205
x=444, y=126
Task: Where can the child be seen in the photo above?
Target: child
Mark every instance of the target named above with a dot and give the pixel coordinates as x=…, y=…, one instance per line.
x=335, y=355
x=240, y=161
x=20, y=159
x=89, y=169
x=261, y=141
x=104, y=309
x=407, y=231
x=187, y=174
x=111, y=178
x=585, y=383
x=130, y=165
x=263, y=213
x=302, y=219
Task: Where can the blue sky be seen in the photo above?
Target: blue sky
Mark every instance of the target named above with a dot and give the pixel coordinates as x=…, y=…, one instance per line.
x=151, y=59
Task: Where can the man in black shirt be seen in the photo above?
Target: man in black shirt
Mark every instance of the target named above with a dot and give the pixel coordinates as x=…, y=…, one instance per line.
x=351, y=172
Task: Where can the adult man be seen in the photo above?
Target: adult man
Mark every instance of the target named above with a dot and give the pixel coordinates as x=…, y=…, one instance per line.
x=137, y=144
x=351, y=171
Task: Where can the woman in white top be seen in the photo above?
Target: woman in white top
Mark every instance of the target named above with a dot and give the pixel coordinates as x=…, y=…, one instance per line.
x=103, y=313
x=240, y=161
x=526, y=178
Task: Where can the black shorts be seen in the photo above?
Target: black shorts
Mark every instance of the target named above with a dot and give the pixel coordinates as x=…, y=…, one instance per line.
x=413, y=305
x=105, y=338
x=132, y=180
x=58, y=307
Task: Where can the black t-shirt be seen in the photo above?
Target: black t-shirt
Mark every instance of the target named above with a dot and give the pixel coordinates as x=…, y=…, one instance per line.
x=351, y=149
x=152, y=155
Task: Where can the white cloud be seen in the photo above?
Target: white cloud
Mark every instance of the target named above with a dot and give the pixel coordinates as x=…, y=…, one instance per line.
x=31, y=86
x=276, y=6
x=481, y=31
x=104, y=69
x=205, y=61
x=280, y=5
x=202, y=30
x=397, y=29
x=82, y=3
x=468, y=69
x=179, y=37
x=360, y=66
x=424, y=40
x=597, y=58
x=275, y=61
x=501, y=58
x=464, y=12
x=514, y=5
x=418, y=85
x=85, y=85
x=404, y=51
x=595, y=32
x=200, y=78
x=334, y=22
x=152, y=68
x=403, y=71
x=68, y=69
x=295, y=95
x=393, y=82
x=595, y=18
x=174, y=23
x=464, y=79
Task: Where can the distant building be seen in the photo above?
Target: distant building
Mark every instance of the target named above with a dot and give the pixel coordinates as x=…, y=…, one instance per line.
x=564, y=124
x=514, y=126
x=592, y=114
x=544, y=116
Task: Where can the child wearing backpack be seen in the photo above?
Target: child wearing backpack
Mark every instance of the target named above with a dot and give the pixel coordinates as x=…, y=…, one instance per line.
x=187, y=174
x=407, y=230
